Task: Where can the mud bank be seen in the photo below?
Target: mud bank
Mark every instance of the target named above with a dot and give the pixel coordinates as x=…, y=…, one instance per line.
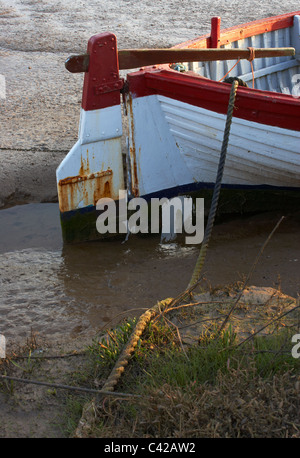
x=73, y=291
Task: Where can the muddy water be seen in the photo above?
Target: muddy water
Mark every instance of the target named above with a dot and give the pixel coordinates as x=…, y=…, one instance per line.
x=66, y=291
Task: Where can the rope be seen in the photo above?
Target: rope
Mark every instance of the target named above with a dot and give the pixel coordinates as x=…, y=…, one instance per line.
x=251, y=58
x=124, y=357
x=217, y=188
x=89, y=411
x=229, y=71
x=252, y=53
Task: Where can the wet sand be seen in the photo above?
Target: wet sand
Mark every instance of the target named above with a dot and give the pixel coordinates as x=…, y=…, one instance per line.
x=61, y=292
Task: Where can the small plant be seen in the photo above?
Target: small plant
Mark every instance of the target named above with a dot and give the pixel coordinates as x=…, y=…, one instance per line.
x=158, y=337
x=28, y=364
x=105, y=351
x=71, y=413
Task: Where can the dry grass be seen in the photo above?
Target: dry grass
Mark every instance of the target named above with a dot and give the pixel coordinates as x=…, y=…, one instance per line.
x=235, y=406
x=195, y=382
x=215, y=387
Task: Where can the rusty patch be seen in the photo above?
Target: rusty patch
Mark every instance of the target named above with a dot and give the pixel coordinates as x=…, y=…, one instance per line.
x=82, y=191
x=107, y=191
x=84, y=165
x=132, y=151
x=78, y=178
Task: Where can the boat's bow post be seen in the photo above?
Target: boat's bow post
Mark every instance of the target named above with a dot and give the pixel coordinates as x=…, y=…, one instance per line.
x=215, y=32
x=93, y=168
x=214, y=42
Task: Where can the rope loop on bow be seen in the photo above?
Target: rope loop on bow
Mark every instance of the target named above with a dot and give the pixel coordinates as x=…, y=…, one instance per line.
x=251, y=59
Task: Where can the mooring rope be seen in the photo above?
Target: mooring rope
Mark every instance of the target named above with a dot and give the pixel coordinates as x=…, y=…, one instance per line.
x=124, y=357
x=89, y=412
x=215, y=199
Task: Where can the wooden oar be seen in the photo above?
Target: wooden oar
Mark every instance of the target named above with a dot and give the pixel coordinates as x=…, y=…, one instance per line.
x=135, y=58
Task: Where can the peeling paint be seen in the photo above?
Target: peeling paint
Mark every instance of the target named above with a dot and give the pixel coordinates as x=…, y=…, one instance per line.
x=81, y=191
x=132, y=152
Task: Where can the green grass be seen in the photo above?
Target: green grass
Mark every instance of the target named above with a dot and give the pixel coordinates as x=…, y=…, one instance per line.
x=104, y=351
x=202, y=364
x=215, y=388
x=71, y=413
x=159, y=357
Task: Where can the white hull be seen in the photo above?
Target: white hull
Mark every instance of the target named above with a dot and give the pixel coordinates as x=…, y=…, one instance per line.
x=179, y=144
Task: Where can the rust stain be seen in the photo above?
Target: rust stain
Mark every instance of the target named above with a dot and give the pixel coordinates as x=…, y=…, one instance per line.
x=84, y=165
x=132, y=151
x=102, y=188
x=78, y=178
x=80, y=191
x=107, y=192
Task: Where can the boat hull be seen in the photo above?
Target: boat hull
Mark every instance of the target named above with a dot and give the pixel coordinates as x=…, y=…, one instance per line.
x=176, y=124
x=179, y=144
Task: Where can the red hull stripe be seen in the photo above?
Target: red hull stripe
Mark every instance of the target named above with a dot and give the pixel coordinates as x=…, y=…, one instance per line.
x=263, y=107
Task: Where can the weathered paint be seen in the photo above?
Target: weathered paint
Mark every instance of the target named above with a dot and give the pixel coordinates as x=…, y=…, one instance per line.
x=102, y=84
x=215, y=32
x=93, y=168
x=264, y=107
x=132, y=150
x=84, y=190
x=179, y=144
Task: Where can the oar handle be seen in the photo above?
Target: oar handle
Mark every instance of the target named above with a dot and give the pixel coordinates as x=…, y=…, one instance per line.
x=134, y=58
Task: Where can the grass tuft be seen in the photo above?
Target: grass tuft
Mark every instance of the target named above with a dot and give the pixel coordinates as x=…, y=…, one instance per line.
x=215, y=388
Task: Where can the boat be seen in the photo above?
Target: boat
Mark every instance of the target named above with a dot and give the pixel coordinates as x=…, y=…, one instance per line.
x=173, y=103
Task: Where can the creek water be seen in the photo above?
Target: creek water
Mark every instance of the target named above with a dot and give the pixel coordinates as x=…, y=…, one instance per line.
x=60, y=291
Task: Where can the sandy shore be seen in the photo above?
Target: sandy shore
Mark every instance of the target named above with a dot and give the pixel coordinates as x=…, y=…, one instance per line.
x=40, y=114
